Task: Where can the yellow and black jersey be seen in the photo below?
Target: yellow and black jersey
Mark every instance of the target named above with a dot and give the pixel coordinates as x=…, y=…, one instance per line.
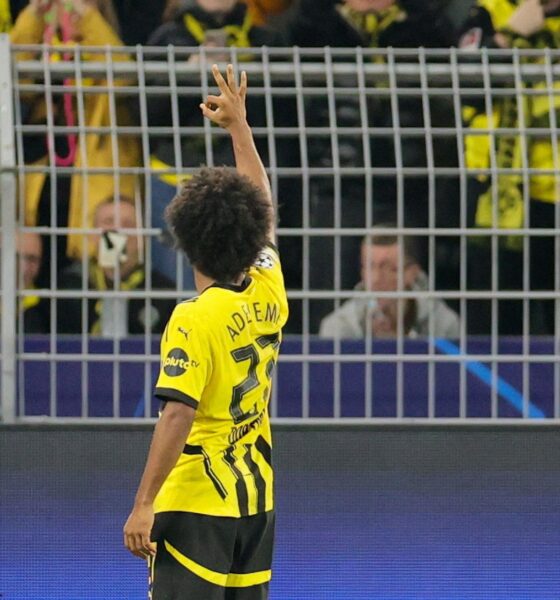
x=218, y=353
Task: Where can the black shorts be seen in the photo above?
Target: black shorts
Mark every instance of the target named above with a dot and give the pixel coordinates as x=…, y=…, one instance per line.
x=200, y=557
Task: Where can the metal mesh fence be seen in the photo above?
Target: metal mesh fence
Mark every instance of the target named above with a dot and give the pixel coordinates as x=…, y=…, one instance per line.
x=418, y=203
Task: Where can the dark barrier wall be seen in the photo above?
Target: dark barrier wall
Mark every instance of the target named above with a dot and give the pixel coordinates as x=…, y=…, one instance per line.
x=370, y=513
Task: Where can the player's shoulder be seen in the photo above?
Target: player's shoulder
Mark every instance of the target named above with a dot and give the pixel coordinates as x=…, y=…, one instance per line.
x=189, y=320
x=187, y=307
x=267, y=258
x=191, y=310
x=201, y=311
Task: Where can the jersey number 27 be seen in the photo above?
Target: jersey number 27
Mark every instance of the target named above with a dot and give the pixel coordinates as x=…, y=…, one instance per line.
x=251, y=354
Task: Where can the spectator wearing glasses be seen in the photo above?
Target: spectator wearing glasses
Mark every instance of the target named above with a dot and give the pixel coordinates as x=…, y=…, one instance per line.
x=33, y=310
x=116, y=267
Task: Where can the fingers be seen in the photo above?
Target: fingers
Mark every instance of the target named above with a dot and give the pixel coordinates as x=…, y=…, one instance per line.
x=214, y=100
x=149, y=548
x=207, y=111
x=220, y=80
x=136, y=540
x=230, y=87
x=232, y=84
x=130, y=545
x=229, y=105
x=243, y=85
x=140, y=545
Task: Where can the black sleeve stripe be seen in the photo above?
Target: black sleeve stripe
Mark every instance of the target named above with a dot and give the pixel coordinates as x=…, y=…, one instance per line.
x=173, y=394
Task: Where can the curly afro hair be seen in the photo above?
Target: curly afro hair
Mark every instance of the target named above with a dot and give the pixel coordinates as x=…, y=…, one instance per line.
x=220, y=219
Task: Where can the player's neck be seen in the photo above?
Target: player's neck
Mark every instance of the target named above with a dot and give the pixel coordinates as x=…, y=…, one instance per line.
x=201, y=281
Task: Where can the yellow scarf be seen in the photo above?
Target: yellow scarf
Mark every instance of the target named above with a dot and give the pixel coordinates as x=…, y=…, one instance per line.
x=373, y=24
x=5, y=16
x=237, y=35
x=28, y=302
x=98, y=278
x=170, y=178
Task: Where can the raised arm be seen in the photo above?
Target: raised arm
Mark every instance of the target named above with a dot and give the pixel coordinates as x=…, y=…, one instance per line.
x=228, y=110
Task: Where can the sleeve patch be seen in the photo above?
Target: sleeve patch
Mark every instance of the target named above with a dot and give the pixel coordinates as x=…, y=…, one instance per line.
x=264, y=261
x=176, y=362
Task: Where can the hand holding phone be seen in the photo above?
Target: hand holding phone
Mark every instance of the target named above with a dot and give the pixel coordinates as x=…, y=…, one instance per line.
x=217, y=38
x=112, y=249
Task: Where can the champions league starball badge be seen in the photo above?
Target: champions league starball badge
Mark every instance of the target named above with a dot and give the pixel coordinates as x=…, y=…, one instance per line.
x=264, y=261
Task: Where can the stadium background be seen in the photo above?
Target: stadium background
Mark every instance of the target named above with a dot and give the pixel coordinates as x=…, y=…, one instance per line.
x=428, y=496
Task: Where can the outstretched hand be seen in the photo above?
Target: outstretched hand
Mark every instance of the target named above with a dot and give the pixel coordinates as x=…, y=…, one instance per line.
x=228, y=109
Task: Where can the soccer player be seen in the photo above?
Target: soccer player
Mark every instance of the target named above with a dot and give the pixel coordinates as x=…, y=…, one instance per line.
x=208, y=476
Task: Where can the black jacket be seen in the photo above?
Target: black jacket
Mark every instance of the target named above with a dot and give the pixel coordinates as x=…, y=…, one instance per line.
x=36, y=319
x=70, y=309
x=176, y=33
x=424, y=24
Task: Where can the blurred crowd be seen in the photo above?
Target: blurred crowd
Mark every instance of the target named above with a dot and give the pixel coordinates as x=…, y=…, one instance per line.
x=67, y=196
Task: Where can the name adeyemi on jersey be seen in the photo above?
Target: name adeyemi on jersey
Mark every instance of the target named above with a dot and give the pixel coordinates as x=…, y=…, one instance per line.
x=252, y=312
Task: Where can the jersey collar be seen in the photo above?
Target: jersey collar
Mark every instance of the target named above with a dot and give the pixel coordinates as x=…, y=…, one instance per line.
x=232, y=287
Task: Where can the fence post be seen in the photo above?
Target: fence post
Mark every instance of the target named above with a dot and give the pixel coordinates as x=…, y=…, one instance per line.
x=8, y=299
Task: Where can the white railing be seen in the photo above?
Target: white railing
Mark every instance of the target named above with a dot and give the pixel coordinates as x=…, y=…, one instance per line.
x=350, y=136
